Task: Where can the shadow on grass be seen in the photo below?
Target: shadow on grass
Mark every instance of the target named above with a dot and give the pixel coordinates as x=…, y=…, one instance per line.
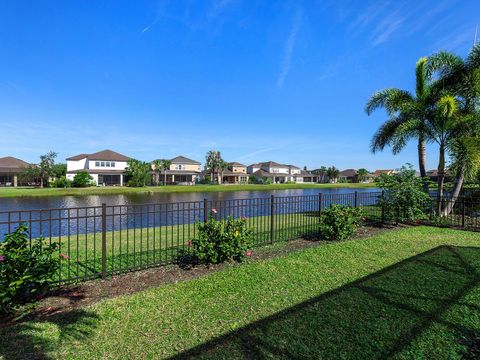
x=378, y=316
x=25, y=341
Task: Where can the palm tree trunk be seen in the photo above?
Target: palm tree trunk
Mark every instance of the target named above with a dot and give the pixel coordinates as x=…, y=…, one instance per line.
x=441, y=177
x=456, y=192
x=164, y=177
x=422, y=160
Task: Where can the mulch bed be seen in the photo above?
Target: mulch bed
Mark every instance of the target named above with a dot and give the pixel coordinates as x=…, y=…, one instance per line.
x=87, y=293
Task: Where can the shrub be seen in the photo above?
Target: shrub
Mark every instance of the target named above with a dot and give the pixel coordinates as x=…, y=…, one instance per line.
x=61, y=182
x=339, y=222
x=82, y=179
x=403, y=197
x=221, y=240
x=26, y=270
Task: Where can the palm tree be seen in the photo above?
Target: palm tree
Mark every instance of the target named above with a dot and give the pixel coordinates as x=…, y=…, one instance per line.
x=461, y=78
x=223, y=165
x=165, y=167
x=157, y=168
x=362, y=174
x=407, y=115
x=213, y=162
x=332, y=173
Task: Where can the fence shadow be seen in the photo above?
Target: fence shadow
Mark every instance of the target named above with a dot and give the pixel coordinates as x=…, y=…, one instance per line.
x=24, y=341
x=375, y=317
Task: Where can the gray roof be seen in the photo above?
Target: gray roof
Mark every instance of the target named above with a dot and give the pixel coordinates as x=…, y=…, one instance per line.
x=184, y=160
x=234, y=163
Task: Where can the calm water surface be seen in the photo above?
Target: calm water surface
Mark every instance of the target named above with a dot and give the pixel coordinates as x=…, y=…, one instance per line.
x=29, y=203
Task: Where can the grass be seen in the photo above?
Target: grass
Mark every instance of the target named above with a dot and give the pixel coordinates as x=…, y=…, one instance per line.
x=137, y=248
x=409, y=293
x=8, y=192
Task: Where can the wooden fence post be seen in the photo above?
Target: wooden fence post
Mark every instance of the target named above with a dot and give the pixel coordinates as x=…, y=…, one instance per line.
x=272, y=219
x=104, y=241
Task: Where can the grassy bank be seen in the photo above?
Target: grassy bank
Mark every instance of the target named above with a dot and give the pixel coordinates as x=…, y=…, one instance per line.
x=409, y=293
x=111, y=190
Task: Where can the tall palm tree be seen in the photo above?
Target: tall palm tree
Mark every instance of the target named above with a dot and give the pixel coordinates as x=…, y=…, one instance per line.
x=362, y=174
x=165, y=167
x=461, y=78
x=223, y=165
x=332, y=173
x=407, y=114
x=157, y=168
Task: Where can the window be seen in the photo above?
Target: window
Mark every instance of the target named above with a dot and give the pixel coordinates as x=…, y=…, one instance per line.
x=102, y=164
x=107, y=163
x=112, y=164
x=179, y=167
x=97, y=163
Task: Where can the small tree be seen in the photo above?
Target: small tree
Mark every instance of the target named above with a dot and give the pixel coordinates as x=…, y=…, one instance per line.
x=403, y=197
x=46, y=167
x=30, y=174
x=362, y=174
x=165, y=167
x=333, y=173
x=82, y=179
x=213, y=163
x=157, y=168
x=137, y=172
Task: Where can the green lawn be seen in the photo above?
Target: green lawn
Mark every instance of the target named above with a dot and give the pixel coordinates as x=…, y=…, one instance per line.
x=112, y=190
x=410, y=293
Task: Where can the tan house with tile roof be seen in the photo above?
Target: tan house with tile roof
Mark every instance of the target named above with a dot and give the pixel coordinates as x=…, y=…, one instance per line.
x=236, y=173
x=183, y=171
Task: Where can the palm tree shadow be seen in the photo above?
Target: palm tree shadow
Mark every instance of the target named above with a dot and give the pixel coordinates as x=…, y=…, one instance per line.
x=24, y=341
x=377, y=316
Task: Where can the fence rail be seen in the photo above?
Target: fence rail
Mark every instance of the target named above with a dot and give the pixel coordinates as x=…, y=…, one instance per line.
x=110, y=239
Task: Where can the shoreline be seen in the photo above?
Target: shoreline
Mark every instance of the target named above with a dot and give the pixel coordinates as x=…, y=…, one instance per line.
x=53, y=192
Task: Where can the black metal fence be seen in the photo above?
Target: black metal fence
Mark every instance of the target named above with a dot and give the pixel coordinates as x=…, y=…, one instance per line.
x=106, y=240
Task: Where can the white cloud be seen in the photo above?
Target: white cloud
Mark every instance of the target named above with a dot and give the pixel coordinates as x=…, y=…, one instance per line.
x=289, y=47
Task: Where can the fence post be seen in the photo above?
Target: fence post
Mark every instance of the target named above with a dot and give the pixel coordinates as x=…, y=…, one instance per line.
x=320, y=205
x=463, y=210
x=383, y=206
x=355, y=201
x=272, y=218
x=104, y=241
x=205, y=210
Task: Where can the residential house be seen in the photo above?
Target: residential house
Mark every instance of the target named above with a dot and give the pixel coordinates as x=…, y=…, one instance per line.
x=10, y=168
x=348, y=175
x=275, y=172
x=107, y=167
x=235, y=173
x=433, y=175
x=377, y=173
x=309, y=177
x=183, y=171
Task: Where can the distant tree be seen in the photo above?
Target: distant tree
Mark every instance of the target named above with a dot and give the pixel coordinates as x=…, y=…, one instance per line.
x=45, y=166
x=362, y=174
x=137, y=172
x=305, y=168
x=30, y=175
x=82, y=179
x=59, y=170
x=223, y=165
x=165, y=167
x=333, y=173
x=322, y=173
x=157, y=168
x=212, y=163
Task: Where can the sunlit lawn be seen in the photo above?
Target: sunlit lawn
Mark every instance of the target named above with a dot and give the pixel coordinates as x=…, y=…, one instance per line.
x=113, y=190
x=409, y=293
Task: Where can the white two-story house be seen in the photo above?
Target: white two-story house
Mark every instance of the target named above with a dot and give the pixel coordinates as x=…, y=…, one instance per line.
x=107, y=167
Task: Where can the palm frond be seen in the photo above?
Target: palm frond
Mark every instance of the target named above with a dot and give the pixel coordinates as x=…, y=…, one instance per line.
x=385, y=135
x=391, y=99
x=443, y=63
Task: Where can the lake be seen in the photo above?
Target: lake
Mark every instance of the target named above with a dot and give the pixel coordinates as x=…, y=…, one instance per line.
x=60, y=202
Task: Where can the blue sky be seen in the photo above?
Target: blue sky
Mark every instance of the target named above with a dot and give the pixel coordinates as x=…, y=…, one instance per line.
x=257, y=80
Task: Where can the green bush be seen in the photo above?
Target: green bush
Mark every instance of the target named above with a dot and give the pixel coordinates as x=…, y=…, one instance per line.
x=61, y=182
x=222, y=240
x=82, y=179
x=339, y=222
x=26, y=270
x=403, y=197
